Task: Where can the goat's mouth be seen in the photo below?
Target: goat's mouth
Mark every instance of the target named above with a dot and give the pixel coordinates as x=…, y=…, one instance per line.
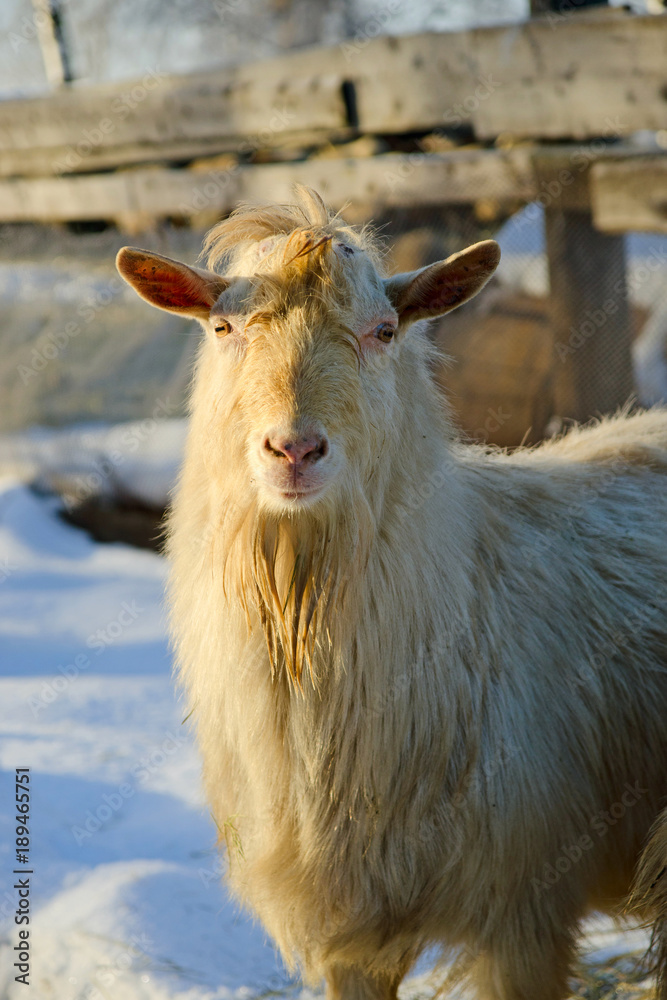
x=302, y=490
x=293, y=495
x=290, y=490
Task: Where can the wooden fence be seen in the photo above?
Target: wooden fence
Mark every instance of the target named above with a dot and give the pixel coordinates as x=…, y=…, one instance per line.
x=542, y=110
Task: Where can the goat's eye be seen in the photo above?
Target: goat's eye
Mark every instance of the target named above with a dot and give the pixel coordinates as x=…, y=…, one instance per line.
x=222, y=328
x=385, y=332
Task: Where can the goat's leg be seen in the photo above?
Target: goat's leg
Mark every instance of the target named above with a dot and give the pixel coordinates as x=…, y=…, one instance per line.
x=355, y=984
x=649, y=896
x=530, y=966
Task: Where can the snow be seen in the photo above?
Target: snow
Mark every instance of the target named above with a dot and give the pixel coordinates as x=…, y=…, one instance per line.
x=127, y=901
x=137, y=458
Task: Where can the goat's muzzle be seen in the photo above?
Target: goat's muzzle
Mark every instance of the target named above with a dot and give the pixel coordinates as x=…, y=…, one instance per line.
x=295, y=463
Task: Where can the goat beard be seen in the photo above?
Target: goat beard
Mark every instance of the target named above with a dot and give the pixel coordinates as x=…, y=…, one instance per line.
x=294, y=573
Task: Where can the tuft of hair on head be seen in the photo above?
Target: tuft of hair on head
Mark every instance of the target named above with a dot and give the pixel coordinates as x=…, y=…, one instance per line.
x=251, y=223
x=313, y=207
x=307, y=215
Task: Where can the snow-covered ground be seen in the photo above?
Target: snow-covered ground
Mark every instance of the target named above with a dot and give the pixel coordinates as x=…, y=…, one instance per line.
x=138, y=458
x=126, y=898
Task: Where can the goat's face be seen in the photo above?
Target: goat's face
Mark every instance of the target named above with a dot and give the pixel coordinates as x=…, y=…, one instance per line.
x=307, y=337
x=314, y=344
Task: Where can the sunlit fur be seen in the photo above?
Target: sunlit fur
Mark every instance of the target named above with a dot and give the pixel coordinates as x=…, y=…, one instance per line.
x=414, y=694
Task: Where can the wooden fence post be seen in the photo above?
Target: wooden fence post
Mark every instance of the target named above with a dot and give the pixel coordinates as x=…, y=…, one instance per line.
x=590, y=315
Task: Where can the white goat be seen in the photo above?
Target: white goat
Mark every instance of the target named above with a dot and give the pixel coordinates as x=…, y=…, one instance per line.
x=429, y=682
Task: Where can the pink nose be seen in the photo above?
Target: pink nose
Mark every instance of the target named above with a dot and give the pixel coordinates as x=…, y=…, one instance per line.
x=296, y=449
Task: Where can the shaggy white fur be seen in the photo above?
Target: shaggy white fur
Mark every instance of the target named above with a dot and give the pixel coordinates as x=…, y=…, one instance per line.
x=428, y=681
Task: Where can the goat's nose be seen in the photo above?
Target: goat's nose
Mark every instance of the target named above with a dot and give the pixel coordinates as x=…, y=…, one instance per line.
x=296, y=449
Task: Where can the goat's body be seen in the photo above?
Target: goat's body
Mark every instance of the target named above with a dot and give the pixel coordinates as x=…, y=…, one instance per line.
x=481, y=709
x=429, y=682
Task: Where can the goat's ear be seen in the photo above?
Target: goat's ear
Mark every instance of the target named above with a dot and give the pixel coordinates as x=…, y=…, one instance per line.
x=170, y=285
x=439, y=288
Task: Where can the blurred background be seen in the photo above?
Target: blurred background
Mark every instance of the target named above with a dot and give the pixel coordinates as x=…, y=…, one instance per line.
x=544, y=126
x=540, y=123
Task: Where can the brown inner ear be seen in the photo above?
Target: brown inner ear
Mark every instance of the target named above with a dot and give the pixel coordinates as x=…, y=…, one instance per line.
x=173, y=288
x=169, y=284
x=437, y=289
x=431, y=292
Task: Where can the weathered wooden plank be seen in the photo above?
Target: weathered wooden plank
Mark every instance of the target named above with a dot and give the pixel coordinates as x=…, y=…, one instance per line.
x=257, y=102
x=388, y=180
x=392, y=180
x=630, y=194
x=553, y=77
x=564, y=172
x=594, y=74
x=44, y=162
